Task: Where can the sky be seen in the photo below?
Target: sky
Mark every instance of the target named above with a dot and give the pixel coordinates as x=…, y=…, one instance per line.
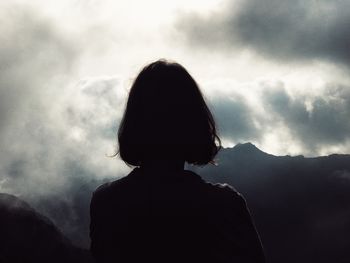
x=274, y=73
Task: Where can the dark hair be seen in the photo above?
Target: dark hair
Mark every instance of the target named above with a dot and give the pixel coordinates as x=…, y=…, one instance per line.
x=166, y=117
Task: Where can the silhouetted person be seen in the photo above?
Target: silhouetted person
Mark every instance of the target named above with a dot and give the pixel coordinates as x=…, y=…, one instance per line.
x=161, y=212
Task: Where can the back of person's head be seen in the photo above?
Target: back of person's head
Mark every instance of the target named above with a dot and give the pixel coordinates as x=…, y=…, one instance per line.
x=166, y=118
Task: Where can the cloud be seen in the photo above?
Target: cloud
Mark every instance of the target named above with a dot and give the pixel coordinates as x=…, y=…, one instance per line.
x=314, y=121
x=307, y=110
x=31, y=54
x=234, y=118
x=273, y=115
x=282, y=30
x=34, y=58
x=56, y=130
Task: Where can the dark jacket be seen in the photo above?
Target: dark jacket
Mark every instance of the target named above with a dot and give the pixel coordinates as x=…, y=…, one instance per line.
x=173, y=217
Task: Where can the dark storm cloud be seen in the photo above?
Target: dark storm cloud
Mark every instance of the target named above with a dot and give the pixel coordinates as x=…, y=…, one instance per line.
x=235, y=119
x=317, y=121
x=280, y=29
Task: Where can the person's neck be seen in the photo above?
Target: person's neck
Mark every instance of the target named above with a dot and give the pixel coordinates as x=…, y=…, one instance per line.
x=169, y=165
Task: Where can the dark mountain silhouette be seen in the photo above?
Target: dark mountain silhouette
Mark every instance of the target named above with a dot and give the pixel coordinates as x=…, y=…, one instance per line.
x=301, y=206
x=27, y=236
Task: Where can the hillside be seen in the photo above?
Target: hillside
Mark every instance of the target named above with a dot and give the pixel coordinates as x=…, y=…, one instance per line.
x=27, y=236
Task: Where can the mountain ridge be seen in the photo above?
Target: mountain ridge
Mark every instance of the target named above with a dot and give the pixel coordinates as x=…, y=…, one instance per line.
x=289, y=197
x=250, y=147
x=296, y=201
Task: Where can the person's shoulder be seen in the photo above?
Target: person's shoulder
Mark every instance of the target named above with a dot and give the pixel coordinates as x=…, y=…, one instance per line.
x=220, y=188
x=224, y=191
x=226, y=188
x=108, y=188
x=103, y=196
